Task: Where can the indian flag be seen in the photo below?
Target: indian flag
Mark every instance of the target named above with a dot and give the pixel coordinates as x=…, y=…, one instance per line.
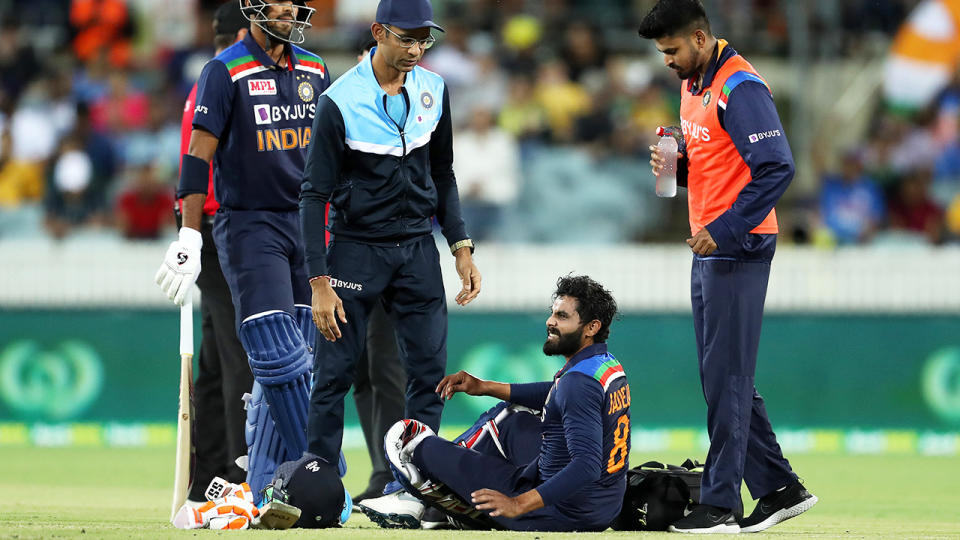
x=924, y=55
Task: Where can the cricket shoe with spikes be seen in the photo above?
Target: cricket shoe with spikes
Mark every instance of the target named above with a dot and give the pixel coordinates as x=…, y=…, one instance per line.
x=400, y=509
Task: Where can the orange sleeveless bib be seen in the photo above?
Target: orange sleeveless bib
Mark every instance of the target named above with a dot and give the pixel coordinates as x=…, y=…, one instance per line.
x=716, y=172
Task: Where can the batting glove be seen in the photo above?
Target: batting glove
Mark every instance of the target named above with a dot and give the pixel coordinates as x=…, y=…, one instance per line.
x=181, y=266
x=224, y=513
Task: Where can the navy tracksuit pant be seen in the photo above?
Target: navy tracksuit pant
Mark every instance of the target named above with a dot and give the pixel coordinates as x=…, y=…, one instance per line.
x=378, y=391
x=407, y=277
x=728, y=289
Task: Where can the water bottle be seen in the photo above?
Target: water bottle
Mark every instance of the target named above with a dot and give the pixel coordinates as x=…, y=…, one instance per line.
x=667, y=180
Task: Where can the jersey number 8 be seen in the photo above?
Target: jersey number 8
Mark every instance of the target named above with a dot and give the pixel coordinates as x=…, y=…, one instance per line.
x=618, y=455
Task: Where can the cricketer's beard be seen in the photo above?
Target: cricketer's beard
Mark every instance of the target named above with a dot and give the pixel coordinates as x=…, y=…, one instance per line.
x=282, y=30
x=684, y=75
x=566, y=345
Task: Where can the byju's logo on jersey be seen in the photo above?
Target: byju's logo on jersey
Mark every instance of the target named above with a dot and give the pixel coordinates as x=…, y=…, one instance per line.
x=693, y=130
x=266, y=114
x=757, y=137
x=261, y=113
x=341, y=284
x=262, y=87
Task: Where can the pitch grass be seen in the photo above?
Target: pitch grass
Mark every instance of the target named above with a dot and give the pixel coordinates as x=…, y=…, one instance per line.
x=125, y=493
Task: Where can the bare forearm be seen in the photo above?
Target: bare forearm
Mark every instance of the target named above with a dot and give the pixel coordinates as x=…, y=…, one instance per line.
x=193, y=210
x=203, y=145
x=496, y=389
x=529, y=501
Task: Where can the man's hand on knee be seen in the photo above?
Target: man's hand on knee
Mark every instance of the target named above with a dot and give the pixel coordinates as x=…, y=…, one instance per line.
x=500, y=505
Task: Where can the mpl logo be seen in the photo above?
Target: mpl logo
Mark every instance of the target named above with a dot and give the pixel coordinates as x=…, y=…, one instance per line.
x=261, y=114
x=262, y=87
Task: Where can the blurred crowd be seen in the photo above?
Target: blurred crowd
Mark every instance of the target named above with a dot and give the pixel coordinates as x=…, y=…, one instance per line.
x=900, y=185
x=554, y=103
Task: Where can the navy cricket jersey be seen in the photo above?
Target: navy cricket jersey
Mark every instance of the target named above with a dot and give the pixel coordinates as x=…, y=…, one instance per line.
x=262, y=114
x=586, y=434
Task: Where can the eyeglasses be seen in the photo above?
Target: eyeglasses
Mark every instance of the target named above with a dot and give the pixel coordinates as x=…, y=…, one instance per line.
x=408, y=42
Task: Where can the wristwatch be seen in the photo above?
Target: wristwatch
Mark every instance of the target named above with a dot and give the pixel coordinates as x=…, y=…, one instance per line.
x=462, y=244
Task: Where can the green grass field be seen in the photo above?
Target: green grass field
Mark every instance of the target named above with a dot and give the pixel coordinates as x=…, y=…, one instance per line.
x=124, y=493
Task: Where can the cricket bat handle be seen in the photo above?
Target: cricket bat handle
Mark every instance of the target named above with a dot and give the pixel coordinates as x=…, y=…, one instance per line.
x=186, y=328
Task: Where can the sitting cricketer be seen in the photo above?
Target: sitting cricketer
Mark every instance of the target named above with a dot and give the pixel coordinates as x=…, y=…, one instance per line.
x=578, y=479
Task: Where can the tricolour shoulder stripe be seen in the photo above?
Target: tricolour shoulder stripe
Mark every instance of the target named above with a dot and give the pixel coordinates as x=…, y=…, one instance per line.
x=612, y=375
x=303, y=56
x=604, y=369
x=738, y=78
x=240, y=60
x=235, y=76
x=734, y=81
x=607, y=372
x=307, y=61
x=312, y=69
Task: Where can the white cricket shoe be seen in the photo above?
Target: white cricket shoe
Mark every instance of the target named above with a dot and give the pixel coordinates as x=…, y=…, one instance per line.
x=398, y=510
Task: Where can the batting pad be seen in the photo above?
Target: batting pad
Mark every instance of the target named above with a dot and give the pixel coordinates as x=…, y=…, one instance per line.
x=265, y=449
x=281, y=364
x=307, y=327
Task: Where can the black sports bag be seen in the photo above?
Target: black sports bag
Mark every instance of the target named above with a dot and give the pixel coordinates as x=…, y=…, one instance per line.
x=657, y=495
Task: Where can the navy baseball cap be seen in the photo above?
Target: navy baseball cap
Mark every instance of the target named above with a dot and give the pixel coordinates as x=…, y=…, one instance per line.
x=228, y=19
x=407, y=14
